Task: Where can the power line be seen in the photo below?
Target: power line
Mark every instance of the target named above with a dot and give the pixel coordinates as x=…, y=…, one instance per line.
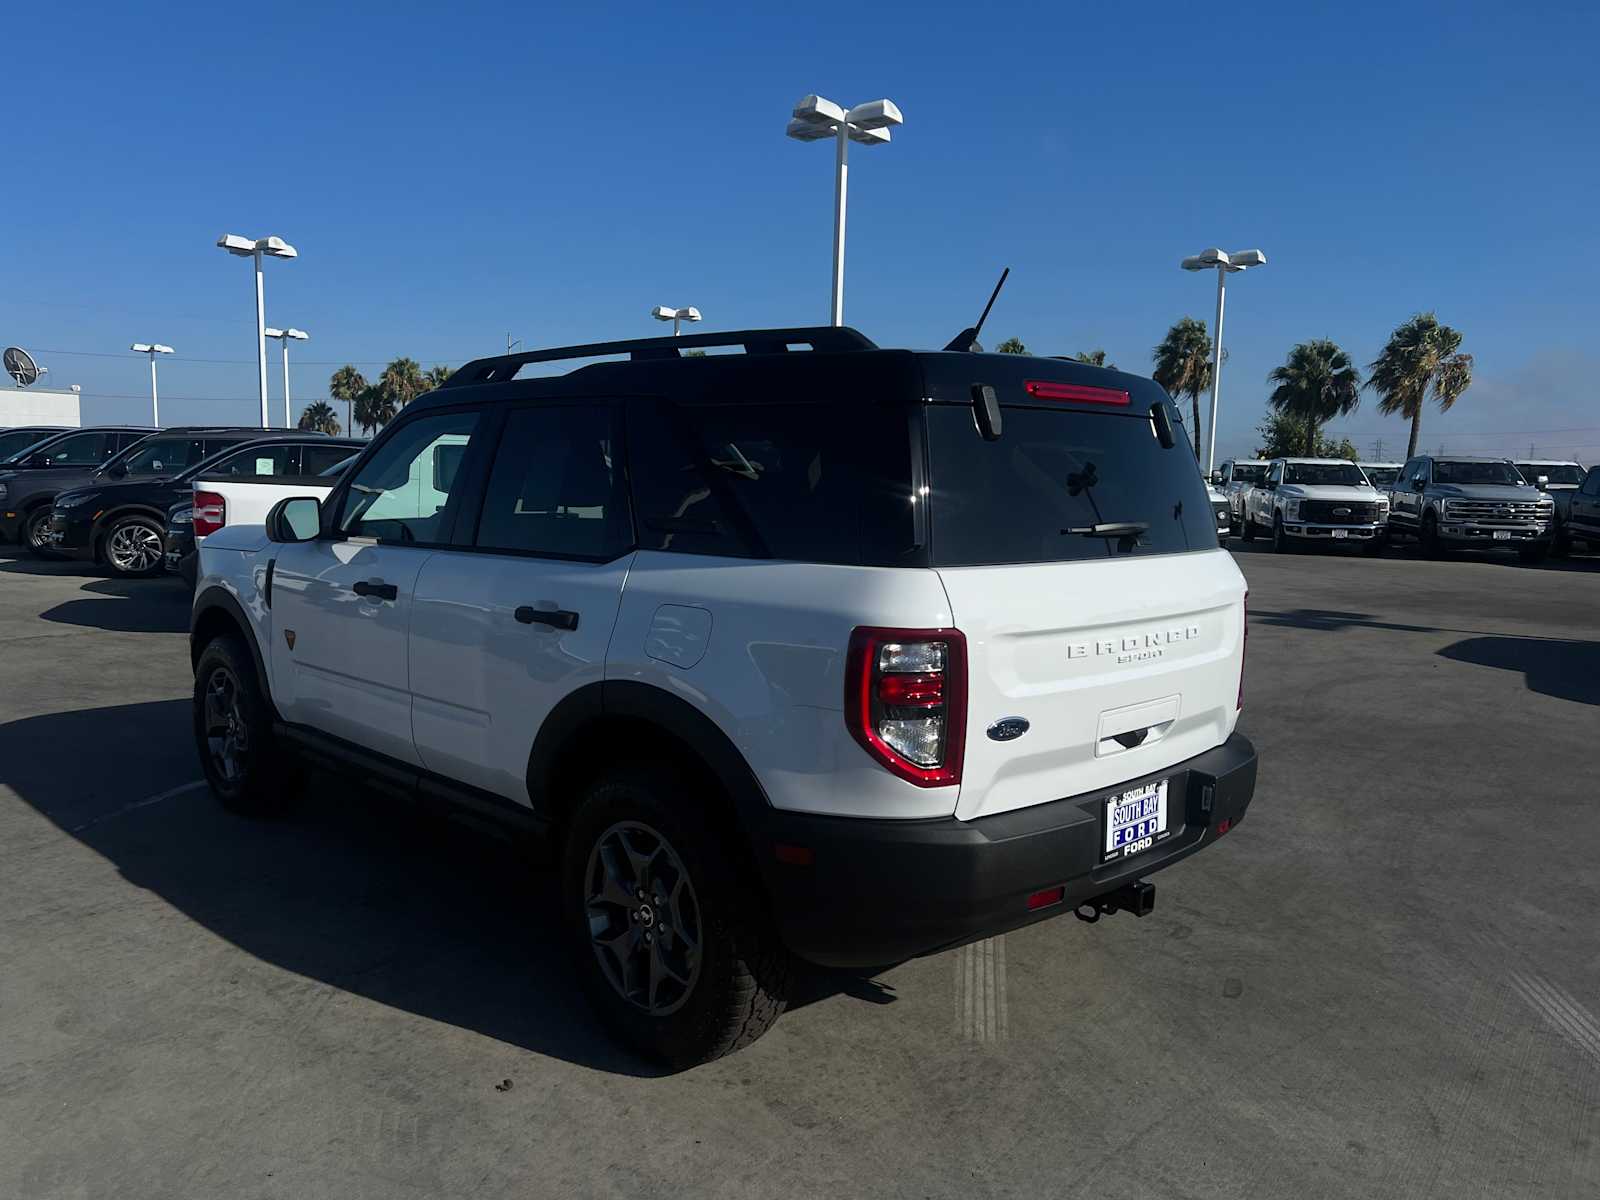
x=250, y=362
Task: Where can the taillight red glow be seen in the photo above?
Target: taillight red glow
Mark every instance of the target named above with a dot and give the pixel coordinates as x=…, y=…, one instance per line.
x=1047, y=389
x=1244, y=646
x=210, y=513
x=1046, y=898
x=906, y=701
x=1223, y=826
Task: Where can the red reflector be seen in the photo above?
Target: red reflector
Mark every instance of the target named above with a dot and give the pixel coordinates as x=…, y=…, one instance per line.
x=1045, y=389
x=1223, y=826
x=794, y=856
x=1046, y=898
x=912, y=691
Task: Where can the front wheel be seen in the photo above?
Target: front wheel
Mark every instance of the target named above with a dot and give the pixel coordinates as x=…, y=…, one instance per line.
x=132, y=547
x=1430, y=537
x=1561, y=543
x=669, y=937
x=1281, y=542
x=33, y=533
x=1247, y=532
x=1534, y=554
x=248, y=772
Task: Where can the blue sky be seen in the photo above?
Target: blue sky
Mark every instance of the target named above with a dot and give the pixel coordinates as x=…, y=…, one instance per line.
x=452, y=174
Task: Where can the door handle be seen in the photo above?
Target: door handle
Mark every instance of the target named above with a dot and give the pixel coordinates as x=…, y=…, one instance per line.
x=375, y=590
x=559, y=618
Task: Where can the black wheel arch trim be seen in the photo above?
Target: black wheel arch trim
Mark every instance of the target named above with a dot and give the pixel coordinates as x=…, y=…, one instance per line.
x=215, y=599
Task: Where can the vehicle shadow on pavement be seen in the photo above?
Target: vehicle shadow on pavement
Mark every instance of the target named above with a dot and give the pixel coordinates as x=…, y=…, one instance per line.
x=1328, y=620
x=155, y=607
x=358, y=892
x=1567, y=670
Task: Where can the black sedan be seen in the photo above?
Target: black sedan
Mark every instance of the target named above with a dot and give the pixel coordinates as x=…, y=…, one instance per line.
x=122, y=525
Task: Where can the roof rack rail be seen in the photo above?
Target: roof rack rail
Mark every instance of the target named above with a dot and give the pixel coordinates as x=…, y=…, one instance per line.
x=501, y=367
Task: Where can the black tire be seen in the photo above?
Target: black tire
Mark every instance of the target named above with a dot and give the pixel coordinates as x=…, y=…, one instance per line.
x=248, y=771
x=31, y=534
x=131, y=547
x=1247, y=532
x=718, y=999
x=1376, y=546
x=1281, y=542
x=1535, y=554
x=1561, y=543
x=1430, y=536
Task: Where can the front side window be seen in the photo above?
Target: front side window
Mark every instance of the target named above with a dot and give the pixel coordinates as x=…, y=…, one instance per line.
x=79, y=450
x=1275, y=473
x=1325, y=473
x=1591, y=482
x=1445, y=471
x=403, y=491
x=555, y=487
x=164, y=456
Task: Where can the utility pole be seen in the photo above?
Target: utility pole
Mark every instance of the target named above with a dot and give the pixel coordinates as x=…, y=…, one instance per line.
x=1377, y=452
x=510, y=345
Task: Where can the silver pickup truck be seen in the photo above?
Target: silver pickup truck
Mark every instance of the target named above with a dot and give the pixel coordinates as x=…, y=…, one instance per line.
x=1460, y=502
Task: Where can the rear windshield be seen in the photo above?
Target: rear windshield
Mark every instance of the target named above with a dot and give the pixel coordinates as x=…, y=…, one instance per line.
x=1554, y=472
x=1061, y=485
x=1445, y=471
x=1382, y=477
x=1249, y=472
x=1323, y=473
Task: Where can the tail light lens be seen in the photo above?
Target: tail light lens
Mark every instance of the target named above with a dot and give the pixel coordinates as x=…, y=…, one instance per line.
x=210, y=513
x=906, y=701
x=1244, y=647
x=1049, y=389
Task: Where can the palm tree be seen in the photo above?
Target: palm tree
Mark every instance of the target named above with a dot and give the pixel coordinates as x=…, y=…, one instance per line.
x=1316, y=383
x=373, y=408
x=1183, y=365
x=1011, y=346
x=1421, y=354
x=401, y=383
x=347, y=384
x=435, y=376
x=319, y=418
x=1095, y=358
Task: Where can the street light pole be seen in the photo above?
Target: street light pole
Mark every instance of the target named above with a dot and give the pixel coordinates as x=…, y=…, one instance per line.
x=274, y=247
x=815, y=118
x=152, y=349
x=662, y=312
x=284, y=336
x=1226, y=264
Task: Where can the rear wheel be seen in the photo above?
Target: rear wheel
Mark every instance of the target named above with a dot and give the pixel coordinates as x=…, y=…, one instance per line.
x=670, y=939
x=1430, y=536
x=132, y=546
x=33, y=531
x=247, y=770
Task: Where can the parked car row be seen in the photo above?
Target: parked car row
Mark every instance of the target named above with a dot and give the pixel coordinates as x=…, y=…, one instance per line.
x=1444, y=502
x=114, y=495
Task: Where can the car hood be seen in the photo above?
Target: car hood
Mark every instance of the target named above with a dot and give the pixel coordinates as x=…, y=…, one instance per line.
x=1503, y=492
x=238, y=537
x=1353, y=492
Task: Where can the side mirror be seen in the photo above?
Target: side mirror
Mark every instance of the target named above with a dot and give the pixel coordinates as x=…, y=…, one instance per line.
x=1542, y=483
x=1419, y=485
x=297, y=519
x=1216, y=477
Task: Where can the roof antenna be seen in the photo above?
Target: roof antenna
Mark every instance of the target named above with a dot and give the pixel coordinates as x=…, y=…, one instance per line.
x=967, y=340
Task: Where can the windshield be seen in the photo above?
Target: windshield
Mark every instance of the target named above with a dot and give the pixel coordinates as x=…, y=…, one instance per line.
x=1568, y=473
x=1323, y=473
x=1060, y=485
x=1249, y=472
x=1474, y=472
x=163, y=455
x=15, y=442
x=1382, y=477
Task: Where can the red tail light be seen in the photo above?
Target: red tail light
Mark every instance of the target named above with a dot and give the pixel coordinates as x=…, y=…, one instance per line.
x=906, y=701
x=210, y=513
x=1244, y=646
x=1045, y=389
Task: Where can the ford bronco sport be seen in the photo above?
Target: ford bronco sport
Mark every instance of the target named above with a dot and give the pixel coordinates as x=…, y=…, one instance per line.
x=816, y=650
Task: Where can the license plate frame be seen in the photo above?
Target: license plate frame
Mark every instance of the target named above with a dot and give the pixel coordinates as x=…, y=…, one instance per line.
x=1339, y=534
x=1501, y=535
x=1135, y=820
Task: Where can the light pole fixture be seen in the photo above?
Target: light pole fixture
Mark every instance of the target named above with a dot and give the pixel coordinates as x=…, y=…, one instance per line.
x=285, y=336
x=676, y=315
x=1226, y=264
x=814, y=119
x=152, y=349
x=272, y=247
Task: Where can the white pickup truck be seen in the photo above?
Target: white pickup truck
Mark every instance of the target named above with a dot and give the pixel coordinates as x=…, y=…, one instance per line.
x=221, y=500
x=1304, y=500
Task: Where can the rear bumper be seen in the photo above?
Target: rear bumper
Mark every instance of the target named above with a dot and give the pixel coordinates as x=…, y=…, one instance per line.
x=877, y=892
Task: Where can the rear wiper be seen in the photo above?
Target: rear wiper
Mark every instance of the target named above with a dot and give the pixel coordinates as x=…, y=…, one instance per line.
x=1111, y=529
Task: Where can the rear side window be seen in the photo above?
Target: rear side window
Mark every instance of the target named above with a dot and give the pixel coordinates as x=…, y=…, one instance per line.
x=809, y=482
x=163, y=456
x=81, y=449
x=314, y=460
x=555, y=488
x=1061, y=485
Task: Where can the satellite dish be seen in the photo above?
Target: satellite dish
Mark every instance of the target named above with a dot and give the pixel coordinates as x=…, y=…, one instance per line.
x=21, y=367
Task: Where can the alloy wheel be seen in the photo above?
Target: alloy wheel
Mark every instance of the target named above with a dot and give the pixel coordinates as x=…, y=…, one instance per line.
x=227, y=735
x=645, y=923
x=134, y=548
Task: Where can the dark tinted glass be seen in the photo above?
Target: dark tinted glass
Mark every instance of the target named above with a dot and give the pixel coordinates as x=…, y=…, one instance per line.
x=15, y=441
x=1036, y=494
x=1382, y=477
x=555, y=488
x=1559, y=473
x=314, y=460
x=403, y=490
x=811, y=482
x=80, y=449
x=1249, y=472
x=1445, y=471
x=1591, y=482
x=1324, y=473
x=275, y=459
x=164, y=456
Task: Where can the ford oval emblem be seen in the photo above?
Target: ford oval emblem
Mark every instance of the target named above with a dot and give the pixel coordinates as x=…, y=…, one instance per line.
x=1008, y=729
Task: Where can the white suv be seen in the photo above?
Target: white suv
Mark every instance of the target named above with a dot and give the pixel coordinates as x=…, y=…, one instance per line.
x=840, y=653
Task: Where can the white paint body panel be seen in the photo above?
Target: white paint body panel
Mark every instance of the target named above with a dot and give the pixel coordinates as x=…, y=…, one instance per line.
x=249, y=502
x=1079, y=649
